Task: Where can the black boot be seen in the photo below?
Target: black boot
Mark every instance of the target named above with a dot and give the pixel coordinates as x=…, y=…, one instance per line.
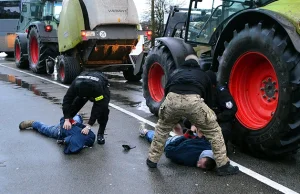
x=227, y=169
x=151, y=164
x=100, y=139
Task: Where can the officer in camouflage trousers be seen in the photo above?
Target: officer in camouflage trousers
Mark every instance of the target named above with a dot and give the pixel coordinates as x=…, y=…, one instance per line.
x=87, y=86
x=189, y=94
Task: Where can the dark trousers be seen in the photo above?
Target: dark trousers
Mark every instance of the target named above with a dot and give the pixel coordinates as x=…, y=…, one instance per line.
x=226, y=130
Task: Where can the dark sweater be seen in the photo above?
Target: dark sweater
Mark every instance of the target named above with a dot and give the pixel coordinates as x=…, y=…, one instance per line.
x=187, y=80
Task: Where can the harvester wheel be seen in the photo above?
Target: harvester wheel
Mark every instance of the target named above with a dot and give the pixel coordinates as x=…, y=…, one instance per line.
x=262, y=69
x=158, y=66
x=20, y=60
x=10, y=54
x=39, y=51
x=129, y=75
x=68, y=69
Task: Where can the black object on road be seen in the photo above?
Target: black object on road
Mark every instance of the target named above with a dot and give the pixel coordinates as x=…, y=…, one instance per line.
x=128, y=147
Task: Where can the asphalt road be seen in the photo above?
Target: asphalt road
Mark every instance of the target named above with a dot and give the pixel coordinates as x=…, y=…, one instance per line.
x=32, y=163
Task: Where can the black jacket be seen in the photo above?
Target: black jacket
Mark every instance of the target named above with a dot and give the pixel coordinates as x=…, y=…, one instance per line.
x=188, y=80
x=86, y=86
x=186, y=151
x=224, y=105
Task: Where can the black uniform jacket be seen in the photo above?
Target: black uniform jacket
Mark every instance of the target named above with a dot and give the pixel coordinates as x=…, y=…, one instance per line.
x=190, y=81
x=224, y=105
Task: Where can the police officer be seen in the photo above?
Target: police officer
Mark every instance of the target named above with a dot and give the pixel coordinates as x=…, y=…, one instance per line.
x=91, y=86
x=185, y=91
x=223, y=105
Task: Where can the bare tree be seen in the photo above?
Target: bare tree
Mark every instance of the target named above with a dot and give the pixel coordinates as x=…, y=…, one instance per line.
x=154, y=18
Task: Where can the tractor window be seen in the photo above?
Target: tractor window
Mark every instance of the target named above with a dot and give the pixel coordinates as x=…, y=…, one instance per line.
x=24, y=7
x=205, y=18
x=48, y=8
x=9, y=9
x=57, y=10
x=36, y=10
x=179, y=33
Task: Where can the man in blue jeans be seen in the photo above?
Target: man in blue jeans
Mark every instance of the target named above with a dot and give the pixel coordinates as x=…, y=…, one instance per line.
x=74, y=139
x=190, y=148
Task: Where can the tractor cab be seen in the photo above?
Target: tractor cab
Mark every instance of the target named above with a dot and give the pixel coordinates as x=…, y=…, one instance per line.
x=205, y=17
x=38, y=10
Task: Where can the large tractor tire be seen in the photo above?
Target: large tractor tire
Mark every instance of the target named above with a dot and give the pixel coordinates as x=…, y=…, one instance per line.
x=262, y=69
x=158, y=66
x=20, y=60
x=39, y=51
x=129, y=75
x=68, y=69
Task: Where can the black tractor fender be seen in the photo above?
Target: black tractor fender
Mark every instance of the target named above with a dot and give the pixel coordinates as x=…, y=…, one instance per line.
x=178, y=48
x=23, y=40
x=44, y=36
x=252, y=16
x=139, y=62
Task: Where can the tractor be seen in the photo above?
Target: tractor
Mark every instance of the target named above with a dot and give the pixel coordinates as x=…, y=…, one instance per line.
x=254, y=50
x=93, y=35
x=36, y=37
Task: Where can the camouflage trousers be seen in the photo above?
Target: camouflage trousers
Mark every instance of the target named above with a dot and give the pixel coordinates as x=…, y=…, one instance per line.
x=197, y=112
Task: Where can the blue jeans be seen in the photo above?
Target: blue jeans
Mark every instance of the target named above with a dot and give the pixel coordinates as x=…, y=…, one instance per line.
x=150, y=135
x=52, y=131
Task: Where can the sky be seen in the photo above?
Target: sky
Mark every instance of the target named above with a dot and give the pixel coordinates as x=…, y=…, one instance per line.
x=141, y=4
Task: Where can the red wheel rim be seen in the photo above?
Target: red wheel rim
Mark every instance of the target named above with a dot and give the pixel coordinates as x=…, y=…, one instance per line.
x=34, y=50
x=18, y=53
x=156, y=81
x=254, y=86
x=62, y=72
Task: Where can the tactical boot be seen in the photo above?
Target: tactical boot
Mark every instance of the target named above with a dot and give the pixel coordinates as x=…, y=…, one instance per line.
x=25, y=124
x=100, y=139
x=227, y=169
x=151, y=164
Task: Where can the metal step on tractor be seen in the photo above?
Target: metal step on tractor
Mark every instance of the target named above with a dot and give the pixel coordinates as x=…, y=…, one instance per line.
x=36, y=36
x=255, y=50
x=94, y=35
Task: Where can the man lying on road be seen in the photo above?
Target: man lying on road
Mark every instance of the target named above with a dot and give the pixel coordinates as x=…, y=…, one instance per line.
x=184, y=91
x=74, y=139
x=189, y=148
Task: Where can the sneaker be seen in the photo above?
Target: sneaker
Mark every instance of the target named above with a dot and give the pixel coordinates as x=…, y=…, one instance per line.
x=227, y=169
x=151, y=164
x=143, y=132
x=25, y=124
x=100, y=139
x=60, y=141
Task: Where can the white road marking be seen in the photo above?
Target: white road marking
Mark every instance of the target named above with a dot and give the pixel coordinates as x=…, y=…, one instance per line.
x=243, y=169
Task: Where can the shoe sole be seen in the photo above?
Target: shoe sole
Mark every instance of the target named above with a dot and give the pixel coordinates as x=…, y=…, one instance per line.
x=21, y=127
x=100, y=142
x=227, y=173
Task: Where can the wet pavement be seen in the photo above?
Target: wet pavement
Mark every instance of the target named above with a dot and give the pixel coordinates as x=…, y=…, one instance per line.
x=32, y=163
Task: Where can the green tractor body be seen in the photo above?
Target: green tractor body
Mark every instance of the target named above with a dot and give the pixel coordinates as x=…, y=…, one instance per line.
x=94, y=35
x=255, y=51
x=36, y=38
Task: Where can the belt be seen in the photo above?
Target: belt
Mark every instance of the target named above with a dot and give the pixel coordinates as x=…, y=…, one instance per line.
x=88, y=77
